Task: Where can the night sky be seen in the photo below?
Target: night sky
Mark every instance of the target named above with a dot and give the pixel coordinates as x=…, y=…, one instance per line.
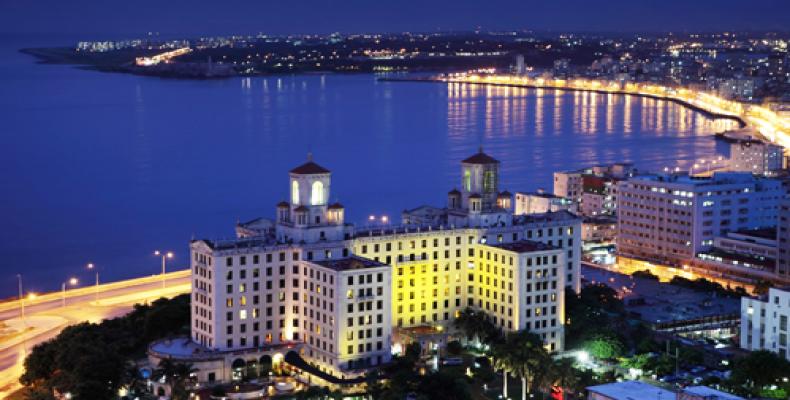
x=102, y=18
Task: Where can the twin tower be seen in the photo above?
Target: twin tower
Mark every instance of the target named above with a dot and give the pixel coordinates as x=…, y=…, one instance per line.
x=308, y=217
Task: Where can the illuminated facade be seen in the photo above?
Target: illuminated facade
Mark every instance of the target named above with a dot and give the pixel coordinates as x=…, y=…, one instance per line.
x=339, y=294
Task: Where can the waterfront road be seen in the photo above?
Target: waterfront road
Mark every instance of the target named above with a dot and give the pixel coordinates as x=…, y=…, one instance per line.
x=46, y=315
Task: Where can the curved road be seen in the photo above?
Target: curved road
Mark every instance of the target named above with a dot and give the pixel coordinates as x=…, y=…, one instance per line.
x=45, y=316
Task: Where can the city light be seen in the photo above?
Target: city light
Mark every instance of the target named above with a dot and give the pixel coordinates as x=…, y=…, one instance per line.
x=773, y=127
x=165, y=256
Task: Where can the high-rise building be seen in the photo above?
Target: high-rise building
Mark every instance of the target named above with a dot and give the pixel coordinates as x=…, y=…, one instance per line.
x=764, y=322
x=756, y=156
x=336, y=297
x=521, y=68
x=783, y=240
x=670, y=218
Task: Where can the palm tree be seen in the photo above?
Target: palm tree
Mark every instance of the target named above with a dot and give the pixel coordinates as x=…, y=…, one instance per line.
x=563, y=374
x=131, y=378
x=500, y=355
x=467, y=322
x=176, y=375
x=527, y=358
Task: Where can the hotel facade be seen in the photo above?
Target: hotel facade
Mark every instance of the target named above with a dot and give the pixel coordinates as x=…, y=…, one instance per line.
x=343, y=299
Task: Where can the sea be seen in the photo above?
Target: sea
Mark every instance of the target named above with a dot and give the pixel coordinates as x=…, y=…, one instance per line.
x=106, y=168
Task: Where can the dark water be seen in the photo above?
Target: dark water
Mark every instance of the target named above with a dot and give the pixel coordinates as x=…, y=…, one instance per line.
x=106, y=168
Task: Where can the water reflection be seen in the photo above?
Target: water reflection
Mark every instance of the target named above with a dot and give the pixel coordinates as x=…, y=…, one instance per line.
x=603, y=128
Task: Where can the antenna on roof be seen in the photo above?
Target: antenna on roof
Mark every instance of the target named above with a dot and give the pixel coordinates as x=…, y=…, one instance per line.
x=309, y=156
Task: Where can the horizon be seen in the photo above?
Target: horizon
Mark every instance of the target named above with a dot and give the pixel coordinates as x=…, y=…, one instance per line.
x=239, y=17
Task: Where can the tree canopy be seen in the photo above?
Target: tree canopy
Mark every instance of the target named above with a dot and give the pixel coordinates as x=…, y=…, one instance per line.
x=90, y=360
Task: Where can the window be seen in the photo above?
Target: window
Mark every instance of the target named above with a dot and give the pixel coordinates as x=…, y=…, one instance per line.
x=317, y=194
x=294, y=192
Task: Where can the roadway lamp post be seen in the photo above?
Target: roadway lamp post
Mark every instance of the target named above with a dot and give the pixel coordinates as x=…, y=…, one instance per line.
x=21, y=299
x=93, y=267
x=72, y=281
x=165, y=256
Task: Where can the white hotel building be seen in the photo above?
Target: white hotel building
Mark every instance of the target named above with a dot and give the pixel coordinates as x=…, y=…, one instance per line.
x=311, y=288
x=670, y=218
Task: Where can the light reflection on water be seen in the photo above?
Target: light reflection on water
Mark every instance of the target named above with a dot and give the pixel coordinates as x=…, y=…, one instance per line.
x=106, y=167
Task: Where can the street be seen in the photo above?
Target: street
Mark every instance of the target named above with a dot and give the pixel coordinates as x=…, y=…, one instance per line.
x=46, y=316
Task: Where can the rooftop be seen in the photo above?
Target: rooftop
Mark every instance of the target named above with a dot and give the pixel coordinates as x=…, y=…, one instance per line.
x=551, y=216
x=543, y=194
x=710, y=393
x=480, y=158
x=309, y=167
x=660, y=303
x=229, y=244
x=632, y=390
x=718, y=178
x=523, y=246
x=349, y=263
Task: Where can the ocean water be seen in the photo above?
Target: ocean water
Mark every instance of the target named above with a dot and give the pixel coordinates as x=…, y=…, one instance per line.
x=106, y=168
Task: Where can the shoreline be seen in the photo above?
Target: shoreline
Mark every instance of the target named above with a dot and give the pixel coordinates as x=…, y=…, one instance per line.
x=707, y=113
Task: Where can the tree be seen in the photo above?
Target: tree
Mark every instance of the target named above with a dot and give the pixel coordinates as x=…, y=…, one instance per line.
x=563, y=374
x=638, y=361
x=646, y=274
x=443, y=385
x=131, y=378
x=91, y=360
x=501, y=354
x=604, y=347
x=760, y=369
x=454, y=348
x=413, y=352
x=527, y=358
x=176, y=374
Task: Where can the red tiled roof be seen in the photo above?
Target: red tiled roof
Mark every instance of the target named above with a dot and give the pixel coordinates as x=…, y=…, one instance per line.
x=335, y=206
x=309, y=168
x=481, y=158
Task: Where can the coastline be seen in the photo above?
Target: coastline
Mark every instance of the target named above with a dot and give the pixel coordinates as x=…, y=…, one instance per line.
x=707, y=113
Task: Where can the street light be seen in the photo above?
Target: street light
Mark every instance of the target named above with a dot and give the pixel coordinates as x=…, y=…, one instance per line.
x=93, y=267
x=21, y=299
x=72, y=282
x=165, y=256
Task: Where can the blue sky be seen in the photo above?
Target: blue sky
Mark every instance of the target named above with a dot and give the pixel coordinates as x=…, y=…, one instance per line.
x=185, y=17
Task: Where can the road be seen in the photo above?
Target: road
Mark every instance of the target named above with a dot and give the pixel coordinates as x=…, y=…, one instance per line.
x=46, y=316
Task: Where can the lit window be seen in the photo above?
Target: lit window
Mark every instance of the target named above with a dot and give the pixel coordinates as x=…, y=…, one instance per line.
x=317, y=194
x=295, y=192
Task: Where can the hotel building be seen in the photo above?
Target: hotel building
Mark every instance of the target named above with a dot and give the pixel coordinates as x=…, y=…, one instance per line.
x=341, y=298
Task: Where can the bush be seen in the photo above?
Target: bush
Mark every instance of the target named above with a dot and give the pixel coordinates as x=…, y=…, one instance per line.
x=454, y=348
